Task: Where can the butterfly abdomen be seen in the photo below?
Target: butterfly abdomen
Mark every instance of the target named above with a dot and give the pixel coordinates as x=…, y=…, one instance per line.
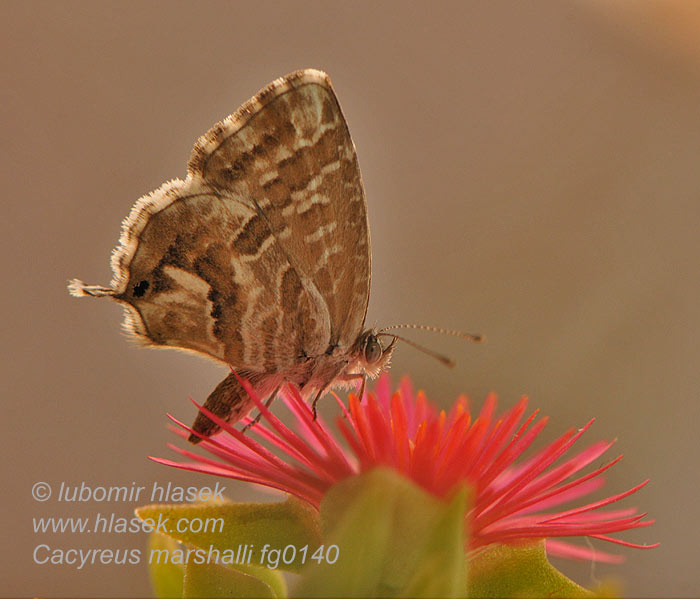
x=229, y=401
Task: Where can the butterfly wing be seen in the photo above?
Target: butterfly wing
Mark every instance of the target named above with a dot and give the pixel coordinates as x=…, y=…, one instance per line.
x=288, y=153
x=200, y=272
x=260, y=257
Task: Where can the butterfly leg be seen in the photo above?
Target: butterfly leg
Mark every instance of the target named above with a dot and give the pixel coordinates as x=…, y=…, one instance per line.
x=321, y=392
x=316, y=399
x=346, y=377
x=268, y=402
x=362, y=388
x=354, y=377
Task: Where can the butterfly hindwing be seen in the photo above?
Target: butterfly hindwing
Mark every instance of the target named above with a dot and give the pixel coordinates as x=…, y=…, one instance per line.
x=202, y=272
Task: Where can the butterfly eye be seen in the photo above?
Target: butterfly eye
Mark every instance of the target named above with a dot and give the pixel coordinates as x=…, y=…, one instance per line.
x=373, y=350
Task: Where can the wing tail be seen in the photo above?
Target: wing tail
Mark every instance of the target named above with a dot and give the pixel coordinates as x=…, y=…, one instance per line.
x=79, y=288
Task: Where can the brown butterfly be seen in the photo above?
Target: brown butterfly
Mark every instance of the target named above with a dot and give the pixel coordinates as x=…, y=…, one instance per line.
x=260, y=257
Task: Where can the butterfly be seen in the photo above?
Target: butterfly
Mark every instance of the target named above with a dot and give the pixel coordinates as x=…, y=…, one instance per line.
x=260, y=258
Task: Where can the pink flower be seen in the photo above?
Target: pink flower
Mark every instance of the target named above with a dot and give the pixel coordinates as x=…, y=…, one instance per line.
x=438, y=451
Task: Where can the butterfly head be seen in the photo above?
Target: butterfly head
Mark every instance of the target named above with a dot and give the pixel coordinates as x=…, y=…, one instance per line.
x=372, y=356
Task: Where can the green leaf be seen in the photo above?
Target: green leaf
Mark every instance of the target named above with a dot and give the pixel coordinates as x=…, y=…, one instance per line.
x=211, y=580
x=441, y=573
x=242, y=529
x=166, y=576
x=191, y=571
x=394, y=540
x=518, y=572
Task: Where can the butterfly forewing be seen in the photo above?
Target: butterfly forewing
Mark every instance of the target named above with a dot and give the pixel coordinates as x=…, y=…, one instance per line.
x=288, y=153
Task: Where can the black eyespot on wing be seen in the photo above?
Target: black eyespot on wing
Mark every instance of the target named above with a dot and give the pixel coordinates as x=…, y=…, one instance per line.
x=140, y=288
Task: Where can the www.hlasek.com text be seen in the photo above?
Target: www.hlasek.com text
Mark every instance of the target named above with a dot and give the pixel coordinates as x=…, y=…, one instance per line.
x=113, y=523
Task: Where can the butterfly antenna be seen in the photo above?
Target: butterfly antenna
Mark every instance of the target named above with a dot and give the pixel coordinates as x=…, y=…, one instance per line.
x=472, y=337
x=445, y=360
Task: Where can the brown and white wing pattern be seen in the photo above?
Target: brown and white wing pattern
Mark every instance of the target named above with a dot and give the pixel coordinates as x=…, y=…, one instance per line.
x=288, y=155
x=260, y=257
x=201, y=272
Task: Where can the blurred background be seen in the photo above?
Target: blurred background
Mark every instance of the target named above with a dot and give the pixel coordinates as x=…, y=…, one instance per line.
x=531, y=172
